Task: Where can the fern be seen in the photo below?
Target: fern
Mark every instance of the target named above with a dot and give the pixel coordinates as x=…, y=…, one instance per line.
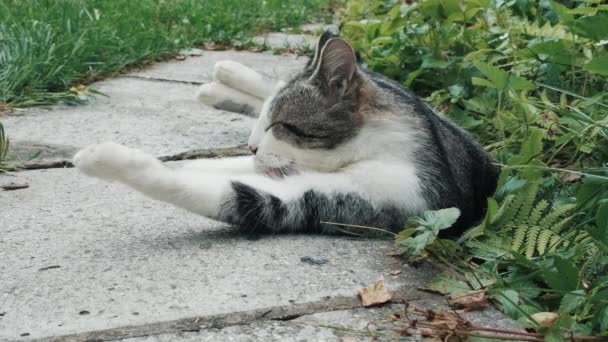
x=535, y=228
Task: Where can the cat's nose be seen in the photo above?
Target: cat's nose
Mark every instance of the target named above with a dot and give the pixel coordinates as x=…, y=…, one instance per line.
x=253, y=148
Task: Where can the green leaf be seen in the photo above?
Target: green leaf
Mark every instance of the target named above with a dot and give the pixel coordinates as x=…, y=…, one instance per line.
x=440, y=219
x=571, y=300
x=601, y=220
x=598, y=65
x=508, y=301
x=447, y=285
x=592, y=27
x=602, y=318
x=415, y=245
x=553, y=335
x=496, y=76
x=566, y=278
x=482, y=82
x=520, y=83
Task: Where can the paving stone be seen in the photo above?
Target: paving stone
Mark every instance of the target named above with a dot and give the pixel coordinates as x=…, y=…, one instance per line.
x=359, y=324
x=162, y=118
x=200, y=69
x=81, y=255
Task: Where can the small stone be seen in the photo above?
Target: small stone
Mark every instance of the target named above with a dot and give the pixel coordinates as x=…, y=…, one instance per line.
x=84, y=313
x=395, y=272
x=191, y=52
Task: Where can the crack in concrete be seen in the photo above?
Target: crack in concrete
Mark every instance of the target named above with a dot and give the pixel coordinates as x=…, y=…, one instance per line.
x=156, y=79
x=219, y=321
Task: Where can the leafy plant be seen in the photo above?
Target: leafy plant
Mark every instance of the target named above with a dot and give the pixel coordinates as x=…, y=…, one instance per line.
x=423, y=231
x=528, y=79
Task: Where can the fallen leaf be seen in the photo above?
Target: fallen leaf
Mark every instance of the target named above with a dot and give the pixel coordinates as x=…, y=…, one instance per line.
x=469, y=300
x=426, y=332
x=214, y=46
x=180, y=57
x=544, y=318
x=568, y=177
x=374, y=295
x=395, y=272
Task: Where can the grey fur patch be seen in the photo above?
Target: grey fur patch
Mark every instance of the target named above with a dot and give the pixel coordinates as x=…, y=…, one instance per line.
x=236, y=107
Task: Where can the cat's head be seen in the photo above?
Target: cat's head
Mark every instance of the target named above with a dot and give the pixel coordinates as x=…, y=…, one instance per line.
x=315, y=113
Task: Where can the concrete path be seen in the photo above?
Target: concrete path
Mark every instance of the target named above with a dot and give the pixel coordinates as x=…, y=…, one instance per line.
x=84, y=260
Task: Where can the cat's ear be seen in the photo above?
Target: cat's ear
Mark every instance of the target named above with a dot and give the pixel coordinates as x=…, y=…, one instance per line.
x=327, y=35
x=337, y=66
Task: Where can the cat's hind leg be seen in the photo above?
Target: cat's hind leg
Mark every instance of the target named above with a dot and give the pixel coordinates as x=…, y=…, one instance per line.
x=223, y=97
x=245, y=79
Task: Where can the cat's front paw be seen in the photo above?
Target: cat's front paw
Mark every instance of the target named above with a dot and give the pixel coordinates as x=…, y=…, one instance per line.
x=112, y=161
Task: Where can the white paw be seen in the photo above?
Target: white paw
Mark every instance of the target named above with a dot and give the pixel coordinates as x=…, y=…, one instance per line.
x=112, y=161
x=243, y=78
x=223, y=97
x=230, y=73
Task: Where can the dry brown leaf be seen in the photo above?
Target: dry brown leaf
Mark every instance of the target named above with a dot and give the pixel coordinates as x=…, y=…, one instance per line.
x=426, y=332
x=214, y=46
x=544, y=318
x=374, y=295
x=395, y=272
x=568, y=177
x=469, y=301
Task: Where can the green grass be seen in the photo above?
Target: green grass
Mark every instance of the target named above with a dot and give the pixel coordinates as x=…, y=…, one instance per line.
x=49, y=46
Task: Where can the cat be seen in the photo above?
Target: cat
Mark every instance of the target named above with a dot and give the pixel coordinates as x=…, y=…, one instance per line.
x=336, y=143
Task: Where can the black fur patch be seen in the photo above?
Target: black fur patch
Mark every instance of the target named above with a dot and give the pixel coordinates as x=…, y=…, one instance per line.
x=254, y=211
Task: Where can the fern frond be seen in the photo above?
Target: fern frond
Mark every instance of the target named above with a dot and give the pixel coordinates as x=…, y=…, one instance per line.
x=532, y=236
x=555, y=215
x=557, y=228
x=527, y=203
x=518, y=239
x=537, y=213
x=543, y=241
x=505, y=213
x=553, y=242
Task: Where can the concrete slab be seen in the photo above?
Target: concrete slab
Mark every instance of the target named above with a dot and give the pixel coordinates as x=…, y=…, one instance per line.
x=359, y=324
x=163, y=118
x=81, y=256
x=200, y=69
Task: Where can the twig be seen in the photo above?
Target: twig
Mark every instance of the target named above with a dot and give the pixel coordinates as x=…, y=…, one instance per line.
x=357, y=226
